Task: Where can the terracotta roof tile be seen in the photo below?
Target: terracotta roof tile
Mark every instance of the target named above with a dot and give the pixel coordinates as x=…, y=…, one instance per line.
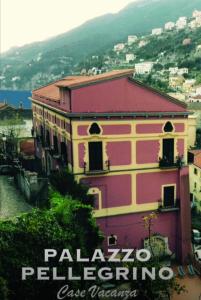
x=27, y=148
x=196, y=97
x=51, y=91
x=75, y=81
x=197, y=160
x=195, y=152
x=2, y=105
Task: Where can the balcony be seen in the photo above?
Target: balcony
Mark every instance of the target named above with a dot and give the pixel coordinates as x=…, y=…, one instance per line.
x=105, y=169
x=169, y=208
x=54, y=153
x=165, y=163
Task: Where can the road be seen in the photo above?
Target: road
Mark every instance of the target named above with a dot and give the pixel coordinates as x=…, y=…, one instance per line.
x=12, y=203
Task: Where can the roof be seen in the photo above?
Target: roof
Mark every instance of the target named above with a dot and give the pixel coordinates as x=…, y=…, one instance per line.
x=2, y=105
x=197, y=157
x=15, y=97
x=27, y=147
x=196, y=97
x=52, y=90
x=77, y=81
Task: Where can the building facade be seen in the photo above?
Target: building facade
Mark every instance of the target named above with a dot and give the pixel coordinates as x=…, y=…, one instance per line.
x=169, y=26
x=132, y=39
x=157, y=31
x=128, y=143
x=144, y=67
x=195, y=178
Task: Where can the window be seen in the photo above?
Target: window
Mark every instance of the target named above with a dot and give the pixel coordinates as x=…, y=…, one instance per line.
x=168, y=151
x=112, y=240
x=95, y=156
x=47, y=140
x=94, y=129
x=195, y=185
x=41, y=131
x=55, y=143
x=64, y=152
x=168, y=196
x=195, y=171
x=168, y=127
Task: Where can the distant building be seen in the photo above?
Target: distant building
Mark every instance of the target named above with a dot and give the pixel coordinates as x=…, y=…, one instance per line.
x=195, y=178
x=119, y=47
x=198, y=21
x=194, y=99
x=132, y=39
x=179, y=96
x=176, y=81
x=144, y=68
x=173, y=70
x=193, y=24
x=192, y=126
x=142, y=43
x=157, y=31
x=198, y=90
x=182, y=71
x=196, y=13
x=130, y=57
x=186, y=42
x=178, y=71
x=198, y=48
x=188, y=85
x=15, y=98
x=181, y=23
x=6, y=111
x=169, y=26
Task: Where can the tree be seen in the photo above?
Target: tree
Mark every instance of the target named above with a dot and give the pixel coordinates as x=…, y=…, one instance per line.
x=68, y=224
x=152, y=289
x=64, y=182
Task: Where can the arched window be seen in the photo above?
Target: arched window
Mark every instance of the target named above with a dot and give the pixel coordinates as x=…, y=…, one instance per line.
x=94, y=129
x=168, y=127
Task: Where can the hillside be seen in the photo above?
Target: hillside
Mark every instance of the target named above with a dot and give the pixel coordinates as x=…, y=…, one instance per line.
x=33, y=65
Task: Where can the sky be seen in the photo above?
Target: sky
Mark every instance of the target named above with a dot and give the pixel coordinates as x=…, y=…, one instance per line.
x=26, y=21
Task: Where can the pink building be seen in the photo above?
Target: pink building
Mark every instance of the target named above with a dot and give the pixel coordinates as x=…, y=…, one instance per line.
x=128, y=143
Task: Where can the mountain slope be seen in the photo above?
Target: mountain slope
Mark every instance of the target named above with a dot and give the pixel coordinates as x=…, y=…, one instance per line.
x=40, y=62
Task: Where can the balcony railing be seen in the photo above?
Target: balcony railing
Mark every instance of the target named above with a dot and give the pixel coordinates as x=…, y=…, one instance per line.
x=166, y=208
x=167, y=163
x=105, y=169
x=54, y=153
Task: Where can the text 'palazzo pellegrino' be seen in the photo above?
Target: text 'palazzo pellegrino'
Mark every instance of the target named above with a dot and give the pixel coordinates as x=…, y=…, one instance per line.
x=128, y=143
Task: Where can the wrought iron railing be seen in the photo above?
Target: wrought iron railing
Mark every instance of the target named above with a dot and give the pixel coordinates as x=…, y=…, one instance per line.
x=168, y=163
x=175, y=205
x=104, y=169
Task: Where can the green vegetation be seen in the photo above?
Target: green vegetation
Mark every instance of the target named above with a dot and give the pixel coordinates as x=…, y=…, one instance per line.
x=67, y=224
x=39, y=63
x=64, y=182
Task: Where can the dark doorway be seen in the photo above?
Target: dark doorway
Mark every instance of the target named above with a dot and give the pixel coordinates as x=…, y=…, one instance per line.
x=168, y=196
x=168, y=150
x=95, y=156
